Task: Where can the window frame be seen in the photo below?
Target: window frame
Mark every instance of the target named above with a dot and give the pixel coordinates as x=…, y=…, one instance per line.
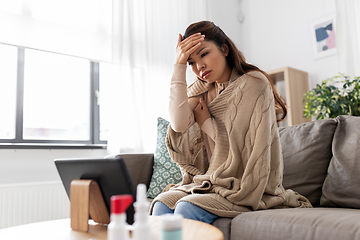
x=18, y=142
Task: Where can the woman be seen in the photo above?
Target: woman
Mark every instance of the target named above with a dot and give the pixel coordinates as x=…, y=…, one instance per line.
x=223, y=133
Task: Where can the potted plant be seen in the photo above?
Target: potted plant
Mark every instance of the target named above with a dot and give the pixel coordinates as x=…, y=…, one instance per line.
x=335, y=96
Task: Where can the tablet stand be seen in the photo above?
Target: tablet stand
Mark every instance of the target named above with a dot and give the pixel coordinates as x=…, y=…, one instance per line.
x=86, y=200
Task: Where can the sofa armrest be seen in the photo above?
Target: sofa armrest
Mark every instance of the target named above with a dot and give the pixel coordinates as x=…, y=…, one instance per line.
x=139, y=166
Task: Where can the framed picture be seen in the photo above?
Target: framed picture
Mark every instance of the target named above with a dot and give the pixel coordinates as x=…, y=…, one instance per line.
x=323, y=36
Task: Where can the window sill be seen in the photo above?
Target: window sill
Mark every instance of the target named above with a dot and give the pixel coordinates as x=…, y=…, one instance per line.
x=50, y=146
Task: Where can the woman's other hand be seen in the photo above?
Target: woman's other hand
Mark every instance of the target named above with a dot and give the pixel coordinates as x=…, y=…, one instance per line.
x=187, y=47
x=201, y=112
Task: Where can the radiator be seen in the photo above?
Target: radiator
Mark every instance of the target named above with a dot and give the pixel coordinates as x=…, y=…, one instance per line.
x=32, y=202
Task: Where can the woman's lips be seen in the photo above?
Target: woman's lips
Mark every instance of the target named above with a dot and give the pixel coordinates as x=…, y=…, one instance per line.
x=206, y=74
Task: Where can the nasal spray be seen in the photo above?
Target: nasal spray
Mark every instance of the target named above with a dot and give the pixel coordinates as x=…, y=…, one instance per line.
x=141, y=226
x=118, y=227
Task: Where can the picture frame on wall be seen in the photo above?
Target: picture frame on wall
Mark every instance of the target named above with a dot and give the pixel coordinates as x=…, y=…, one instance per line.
x=323, y=36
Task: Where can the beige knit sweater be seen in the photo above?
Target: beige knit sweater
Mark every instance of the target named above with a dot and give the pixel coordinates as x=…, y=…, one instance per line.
x=246, y=167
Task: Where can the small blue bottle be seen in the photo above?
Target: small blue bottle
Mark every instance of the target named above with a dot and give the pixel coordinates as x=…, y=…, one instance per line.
x=171, y=227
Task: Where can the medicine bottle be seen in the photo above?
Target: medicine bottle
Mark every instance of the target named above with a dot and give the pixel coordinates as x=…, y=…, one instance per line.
x=171, y=227
x=141, y=226
x=118, y=227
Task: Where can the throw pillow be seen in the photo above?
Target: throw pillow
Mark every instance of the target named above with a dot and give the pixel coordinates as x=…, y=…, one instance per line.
x=165, y=170
x=342, y=186
x=306, y=151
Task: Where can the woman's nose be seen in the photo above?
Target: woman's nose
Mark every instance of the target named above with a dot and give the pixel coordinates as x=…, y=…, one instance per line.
x=200, y=65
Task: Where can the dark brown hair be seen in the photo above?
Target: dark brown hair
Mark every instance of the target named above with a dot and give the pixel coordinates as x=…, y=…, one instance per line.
x=235, y=58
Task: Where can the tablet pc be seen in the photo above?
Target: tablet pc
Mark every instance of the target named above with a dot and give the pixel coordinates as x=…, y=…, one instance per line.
x=110, y=174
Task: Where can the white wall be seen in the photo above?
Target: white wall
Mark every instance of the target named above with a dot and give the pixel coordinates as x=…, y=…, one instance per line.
x=276, y=33
x=37, y=165
x=226, y=17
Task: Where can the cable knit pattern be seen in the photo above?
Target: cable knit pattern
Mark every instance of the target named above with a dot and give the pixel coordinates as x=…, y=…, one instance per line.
x=246, y=168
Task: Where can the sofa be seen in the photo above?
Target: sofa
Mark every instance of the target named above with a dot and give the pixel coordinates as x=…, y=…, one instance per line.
x=321, y=162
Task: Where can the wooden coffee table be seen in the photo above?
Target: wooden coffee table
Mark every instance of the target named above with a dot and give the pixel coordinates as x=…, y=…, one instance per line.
x=60, y=229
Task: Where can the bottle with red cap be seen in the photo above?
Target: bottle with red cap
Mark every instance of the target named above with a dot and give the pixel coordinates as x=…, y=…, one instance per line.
x=118, y=227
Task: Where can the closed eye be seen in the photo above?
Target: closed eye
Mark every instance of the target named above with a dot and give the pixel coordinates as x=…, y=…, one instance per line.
x=204, y=54
x=191, y=63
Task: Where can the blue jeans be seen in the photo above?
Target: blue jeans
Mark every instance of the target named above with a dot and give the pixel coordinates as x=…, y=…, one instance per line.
x=187, y=210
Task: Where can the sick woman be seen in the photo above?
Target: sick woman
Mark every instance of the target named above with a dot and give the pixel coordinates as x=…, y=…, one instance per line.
x=223, y=133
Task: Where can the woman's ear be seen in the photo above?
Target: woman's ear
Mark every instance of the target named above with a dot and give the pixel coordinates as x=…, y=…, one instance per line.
x=225, y=50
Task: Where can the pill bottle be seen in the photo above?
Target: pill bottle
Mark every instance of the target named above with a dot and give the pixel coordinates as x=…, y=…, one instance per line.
x=171, y=227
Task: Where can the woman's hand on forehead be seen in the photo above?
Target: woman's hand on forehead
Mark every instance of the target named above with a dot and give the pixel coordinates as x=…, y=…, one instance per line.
x=187, y=46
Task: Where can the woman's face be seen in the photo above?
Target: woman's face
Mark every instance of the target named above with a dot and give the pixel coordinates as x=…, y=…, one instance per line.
x=209, y=63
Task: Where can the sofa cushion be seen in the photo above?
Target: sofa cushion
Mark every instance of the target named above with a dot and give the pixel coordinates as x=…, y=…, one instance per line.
x=297, y=224
x=224, y=224
x=166, y=171
x=306, y=151
x=342, y=186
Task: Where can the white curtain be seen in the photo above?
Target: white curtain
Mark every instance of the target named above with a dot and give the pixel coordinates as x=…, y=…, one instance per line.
x=80, y=28
x=144, y=41
x=348, y=36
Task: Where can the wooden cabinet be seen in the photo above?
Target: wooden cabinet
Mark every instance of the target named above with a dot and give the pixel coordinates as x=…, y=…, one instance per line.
x=292, y=84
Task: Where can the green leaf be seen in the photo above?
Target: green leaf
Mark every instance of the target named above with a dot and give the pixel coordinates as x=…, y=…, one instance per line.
x=327, y=100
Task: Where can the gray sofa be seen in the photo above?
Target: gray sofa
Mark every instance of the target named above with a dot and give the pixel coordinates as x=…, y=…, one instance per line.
x=321, y=162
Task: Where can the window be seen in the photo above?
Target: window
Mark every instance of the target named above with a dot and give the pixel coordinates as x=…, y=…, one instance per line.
x=107, y=74
x=8, y=63
x=49, y=99
x=56, y=97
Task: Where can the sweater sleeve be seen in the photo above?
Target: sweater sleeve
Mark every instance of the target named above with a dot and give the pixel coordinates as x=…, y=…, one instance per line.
x=181, y=114
x=209, y=129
